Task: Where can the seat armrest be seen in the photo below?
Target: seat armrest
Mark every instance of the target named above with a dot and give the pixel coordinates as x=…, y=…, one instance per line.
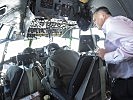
x=58, y=93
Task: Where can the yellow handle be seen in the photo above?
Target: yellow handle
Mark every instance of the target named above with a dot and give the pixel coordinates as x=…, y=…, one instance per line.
x=84, y=1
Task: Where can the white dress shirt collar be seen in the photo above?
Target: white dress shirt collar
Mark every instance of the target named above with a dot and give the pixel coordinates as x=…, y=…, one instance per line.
x=104, y=27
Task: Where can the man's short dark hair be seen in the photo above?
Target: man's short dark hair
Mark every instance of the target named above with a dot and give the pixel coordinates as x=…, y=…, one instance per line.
x=104, y=9
x=52, y=45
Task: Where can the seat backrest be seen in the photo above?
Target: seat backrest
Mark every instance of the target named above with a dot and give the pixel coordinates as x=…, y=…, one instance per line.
x=30, y=82
x=79, y=74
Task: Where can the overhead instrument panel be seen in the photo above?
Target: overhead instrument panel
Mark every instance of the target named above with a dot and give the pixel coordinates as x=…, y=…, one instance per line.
x=54, y=8
x=47, y=4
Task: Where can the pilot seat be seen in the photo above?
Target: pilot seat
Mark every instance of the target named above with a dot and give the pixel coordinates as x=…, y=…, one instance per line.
x=86, y=80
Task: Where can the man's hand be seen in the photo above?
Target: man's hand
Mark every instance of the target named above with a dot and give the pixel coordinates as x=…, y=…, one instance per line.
x=101, y=52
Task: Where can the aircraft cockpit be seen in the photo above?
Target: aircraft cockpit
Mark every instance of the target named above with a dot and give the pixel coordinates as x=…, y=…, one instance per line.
x=35, y=24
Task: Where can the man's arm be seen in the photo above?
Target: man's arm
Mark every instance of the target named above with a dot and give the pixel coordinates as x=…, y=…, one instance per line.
x=124, y=52
x=52, y=73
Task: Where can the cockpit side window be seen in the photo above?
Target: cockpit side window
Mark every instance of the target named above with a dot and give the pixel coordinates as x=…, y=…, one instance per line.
x=3, y=10
x=4, y=31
